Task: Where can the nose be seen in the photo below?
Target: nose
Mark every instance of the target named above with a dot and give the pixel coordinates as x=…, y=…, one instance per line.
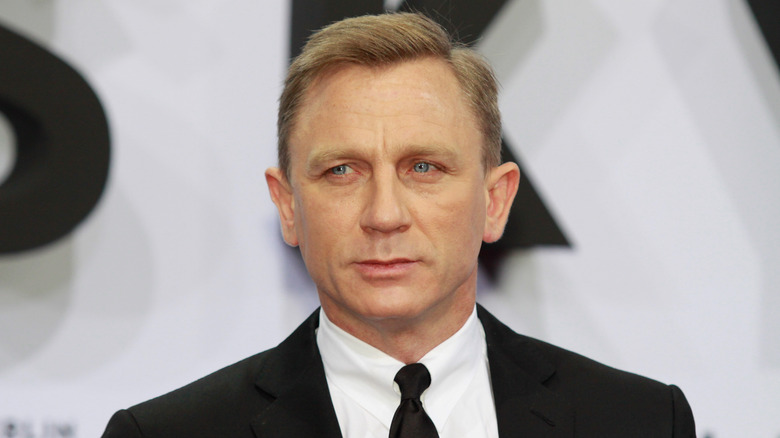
x=385, y=209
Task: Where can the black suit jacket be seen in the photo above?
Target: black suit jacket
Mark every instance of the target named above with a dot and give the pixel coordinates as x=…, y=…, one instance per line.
x=539, y=390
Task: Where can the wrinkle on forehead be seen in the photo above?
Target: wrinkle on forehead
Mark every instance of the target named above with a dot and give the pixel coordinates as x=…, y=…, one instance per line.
x=413, y=107
x=326, y=92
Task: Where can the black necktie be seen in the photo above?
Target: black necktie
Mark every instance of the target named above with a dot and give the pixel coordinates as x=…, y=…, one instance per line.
x=410, y=419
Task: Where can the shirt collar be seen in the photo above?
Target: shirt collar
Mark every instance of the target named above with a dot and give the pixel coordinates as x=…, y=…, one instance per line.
x=366, y=374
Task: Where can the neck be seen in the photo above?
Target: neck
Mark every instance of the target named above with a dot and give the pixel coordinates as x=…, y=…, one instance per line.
x=409, y=343
x=407, y=338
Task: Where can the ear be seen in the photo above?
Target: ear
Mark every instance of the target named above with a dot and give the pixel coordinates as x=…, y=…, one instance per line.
x=282, y=195
x=501, y=185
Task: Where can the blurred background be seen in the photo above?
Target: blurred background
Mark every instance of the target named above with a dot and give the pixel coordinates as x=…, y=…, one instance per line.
x=139, y=249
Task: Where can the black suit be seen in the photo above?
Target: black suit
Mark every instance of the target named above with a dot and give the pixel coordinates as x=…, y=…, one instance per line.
x=540, y=391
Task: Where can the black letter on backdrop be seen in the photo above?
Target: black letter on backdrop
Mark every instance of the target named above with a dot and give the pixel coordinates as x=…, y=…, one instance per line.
x=530, y=222
x=766, y=14
x=62, y=145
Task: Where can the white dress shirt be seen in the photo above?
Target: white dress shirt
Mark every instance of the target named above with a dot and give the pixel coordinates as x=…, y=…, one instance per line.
x=365, y=397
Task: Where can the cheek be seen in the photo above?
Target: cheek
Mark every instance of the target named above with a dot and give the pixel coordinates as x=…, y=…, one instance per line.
x=322, y=219
x=466, y=204
x=455, y=216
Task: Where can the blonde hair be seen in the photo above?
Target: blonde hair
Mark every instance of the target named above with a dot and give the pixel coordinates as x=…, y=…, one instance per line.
x=380, y=40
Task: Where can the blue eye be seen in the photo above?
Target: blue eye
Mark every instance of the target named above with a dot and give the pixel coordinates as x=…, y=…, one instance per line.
x=422, y=167
x=341, y=169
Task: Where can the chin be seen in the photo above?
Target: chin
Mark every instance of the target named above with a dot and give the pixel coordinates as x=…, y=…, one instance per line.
x=409, y=308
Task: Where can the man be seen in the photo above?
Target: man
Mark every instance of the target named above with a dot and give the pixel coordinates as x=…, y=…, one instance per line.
x=389, y=181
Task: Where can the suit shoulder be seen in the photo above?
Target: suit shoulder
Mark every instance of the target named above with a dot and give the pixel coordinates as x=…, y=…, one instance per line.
x=228, y=393
x=606, y=401
x=571, y=365
x=546, y=361
x=225, y=402
x=602, y=395
x=224, y=383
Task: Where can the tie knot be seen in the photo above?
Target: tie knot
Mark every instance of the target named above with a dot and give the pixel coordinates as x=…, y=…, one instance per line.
x=413, y=379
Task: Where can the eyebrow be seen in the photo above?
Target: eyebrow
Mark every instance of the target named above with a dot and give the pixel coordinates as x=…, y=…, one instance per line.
x=318, y=158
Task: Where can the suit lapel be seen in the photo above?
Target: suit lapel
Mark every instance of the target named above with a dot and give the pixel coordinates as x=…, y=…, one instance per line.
x=293, y=379
x=518, y=371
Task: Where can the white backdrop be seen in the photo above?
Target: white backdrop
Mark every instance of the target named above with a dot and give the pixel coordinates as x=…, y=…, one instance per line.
x=650, y=128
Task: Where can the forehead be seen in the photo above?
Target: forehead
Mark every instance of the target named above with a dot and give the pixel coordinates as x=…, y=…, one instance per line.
x=408, y=102
x=426, y=79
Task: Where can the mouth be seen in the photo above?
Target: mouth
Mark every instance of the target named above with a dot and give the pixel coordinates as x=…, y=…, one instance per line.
x=385, y=269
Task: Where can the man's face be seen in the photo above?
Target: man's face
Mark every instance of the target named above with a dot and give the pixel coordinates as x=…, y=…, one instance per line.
x=387, y=195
